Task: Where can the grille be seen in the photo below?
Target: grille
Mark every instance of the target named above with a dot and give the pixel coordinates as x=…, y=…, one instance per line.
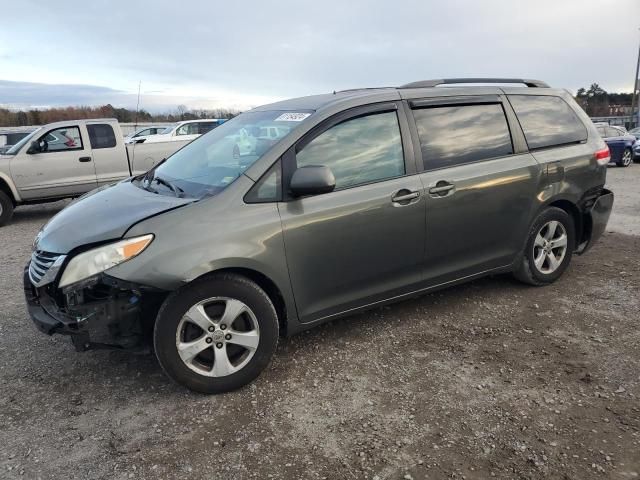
x=44, y=267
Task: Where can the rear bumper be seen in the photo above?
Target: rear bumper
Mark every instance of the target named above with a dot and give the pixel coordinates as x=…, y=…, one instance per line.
x=596, y=218
x=107, y=313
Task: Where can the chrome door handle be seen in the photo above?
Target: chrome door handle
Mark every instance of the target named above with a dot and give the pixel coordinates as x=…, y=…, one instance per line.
x=408, y=196
x=404, y=195
x=441, y=188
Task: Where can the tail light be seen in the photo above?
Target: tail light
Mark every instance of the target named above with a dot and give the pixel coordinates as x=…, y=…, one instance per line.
x=603, y=157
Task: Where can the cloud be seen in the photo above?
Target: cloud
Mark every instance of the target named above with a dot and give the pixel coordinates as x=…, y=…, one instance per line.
x=30, y=95
x=226, y=53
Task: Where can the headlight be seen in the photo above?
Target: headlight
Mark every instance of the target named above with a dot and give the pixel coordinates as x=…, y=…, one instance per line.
x=102, y=258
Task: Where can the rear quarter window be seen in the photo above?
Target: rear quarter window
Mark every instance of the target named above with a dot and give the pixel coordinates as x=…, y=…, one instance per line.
x=101, y=135
x=547, y=121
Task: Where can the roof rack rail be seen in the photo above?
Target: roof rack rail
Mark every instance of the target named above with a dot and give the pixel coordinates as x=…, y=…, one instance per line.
x=447, y=81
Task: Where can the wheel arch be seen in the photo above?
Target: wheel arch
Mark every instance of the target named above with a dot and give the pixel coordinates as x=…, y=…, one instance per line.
x=267, y=284
x=6, y=185
x=574, y=212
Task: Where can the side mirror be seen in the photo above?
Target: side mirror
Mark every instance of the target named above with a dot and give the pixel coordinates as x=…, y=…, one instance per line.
x=312, y=180
x=33, y=148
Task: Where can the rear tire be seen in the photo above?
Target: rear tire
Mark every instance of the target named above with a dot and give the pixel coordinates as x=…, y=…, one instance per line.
x=549, y=248
x=627, y=158
x=216, y=334
x=6, y=209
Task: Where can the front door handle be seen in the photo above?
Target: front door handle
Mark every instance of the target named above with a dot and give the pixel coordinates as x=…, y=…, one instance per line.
x=84, y=159
x=441, y=188
x=404, y=196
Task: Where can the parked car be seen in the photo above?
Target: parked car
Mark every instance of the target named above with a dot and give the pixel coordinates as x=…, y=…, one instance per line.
x=9, y=137
x=67, y=159
x=139, y=136
x=621, y=144
x=636, y=148
x=187, y=130
x=365, y=197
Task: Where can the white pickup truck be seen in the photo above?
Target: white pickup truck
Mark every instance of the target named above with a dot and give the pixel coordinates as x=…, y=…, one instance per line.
x=67, y=159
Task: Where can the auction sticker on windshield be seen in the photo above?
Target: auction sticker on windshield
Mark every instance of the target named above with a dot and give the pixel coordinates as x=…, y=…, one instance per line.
x=292, y=117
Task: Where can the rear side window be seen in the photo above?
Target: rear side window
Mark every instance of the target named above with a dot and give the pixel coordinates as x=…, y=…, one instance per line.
x=453, y=135
x=101, y=135
x=547, y=121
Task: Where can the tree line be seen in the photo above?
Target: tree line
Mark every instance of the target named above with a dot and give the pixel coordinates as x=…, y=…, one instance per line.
x=597, y=102
x=20, y=118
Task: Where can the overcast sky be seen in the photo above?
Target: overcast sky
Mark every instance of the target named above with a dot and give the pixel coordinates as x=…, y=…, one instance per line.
x=239, y=54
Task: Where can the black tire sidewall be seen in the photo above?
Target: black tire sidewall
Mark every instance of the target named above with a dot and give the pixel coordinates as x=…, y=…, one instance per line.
x=177, y=304
x=7, y=208
x=551, y=213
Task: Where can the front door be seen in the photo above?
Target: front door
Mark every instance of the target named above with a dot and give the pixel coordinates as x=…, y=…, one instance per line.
x=479, y=193
x=363, y=242
x=63, y=166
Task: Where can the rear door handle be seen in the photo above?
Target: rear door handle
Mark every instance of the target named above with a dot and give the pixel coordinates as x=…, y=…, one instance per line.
x=441, y=188
x=84, y=159
x=404, y=196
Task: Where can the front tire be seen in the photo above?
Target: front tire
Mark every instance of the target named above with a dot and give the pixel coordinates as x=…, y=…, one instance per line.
x=549, y=248
x=627, y=158
x=216, y=334
x=6, y=209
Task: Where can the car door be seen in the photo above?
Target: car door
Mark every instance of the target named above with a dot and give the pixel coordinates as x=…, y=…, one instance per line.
x=364, y=241
x=479, y=188
x=108, y=151
x=187, y=132
x=62, y=167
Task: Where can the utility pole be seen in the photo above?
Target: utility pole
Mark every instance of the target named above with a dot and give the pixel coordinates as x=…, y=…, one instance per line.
x=636, y=118
x=135, y=127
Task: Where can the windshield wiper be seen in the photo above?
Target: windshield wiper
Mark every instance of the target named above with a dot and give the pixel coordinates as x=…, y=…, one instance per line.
x=177, y=191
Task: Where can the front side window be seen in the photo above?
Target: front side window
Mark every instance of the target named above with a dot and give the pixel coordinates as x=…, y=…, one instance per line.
x=101, y=135
x=361, y=150
x=212, y=162
x=61, y=139
x=547, y=121
x=188, y=129
x=456, y=134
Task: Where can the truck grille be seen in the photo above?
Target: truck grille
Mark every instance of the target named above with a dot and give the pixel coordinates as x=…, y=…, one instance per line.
x=44, y=267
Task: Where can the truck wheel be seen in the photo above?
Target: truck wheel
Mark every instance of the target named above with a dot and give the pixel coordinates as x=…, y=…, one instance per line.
x=6, y=209
x=549, y=248
x=627, y=158
x=216, y=334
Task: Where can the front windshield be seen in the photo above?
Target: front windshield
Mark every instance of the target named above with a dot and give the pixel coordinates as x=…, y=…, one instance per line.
x=166, y=130
x=210, y=163
x=16, y=148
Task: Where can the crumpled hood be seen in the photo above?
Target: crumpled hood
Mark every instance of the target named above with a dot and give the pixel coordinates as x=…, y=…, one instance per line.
x=103, y=214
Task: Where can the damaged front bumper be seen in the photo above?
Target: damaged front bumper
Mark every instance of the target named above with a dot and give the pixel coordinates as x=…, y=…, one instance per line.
x=101, y=312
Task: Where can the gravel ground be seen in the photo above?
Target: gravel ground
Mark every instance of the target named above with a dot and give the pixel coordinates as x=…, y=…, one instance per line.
x=488, y=379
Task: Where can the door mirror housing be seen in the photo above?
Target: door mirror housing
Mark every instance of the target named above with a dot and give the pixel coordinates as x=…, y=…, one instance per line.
x=312, y=180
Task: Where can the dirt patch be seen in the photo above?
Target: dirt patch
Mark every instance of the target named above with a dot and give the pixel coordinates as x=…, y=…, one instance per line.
x=488, y=379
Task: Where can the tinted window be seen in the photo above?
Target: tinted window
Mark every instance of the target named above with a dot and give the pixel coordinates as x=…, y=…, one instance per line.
x=459, y=134
x=60, y=139
x=101, y=136
x=361, y=150
x=547, y=121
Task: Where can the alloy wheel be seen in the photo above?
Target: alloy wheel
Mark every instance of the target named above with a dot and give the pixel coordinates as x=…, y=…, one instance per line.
x=550, y=247
x=626, y=158
x=217, y=337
